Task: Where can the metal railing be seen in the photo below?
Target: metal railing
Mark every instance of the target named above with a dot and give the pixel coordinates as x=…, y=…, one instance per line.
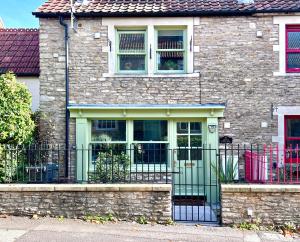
x=262, y=164
x=150, y=164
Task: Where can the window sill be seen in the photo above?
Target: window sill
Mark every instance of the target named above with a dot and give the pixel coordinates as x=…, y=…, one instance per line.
x=152, y=75
x=286, y=74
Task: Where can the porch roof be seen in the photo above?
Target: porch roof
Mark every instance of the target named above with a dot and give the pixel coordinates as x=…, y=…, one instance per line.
x=146, y=106
x=120, y=111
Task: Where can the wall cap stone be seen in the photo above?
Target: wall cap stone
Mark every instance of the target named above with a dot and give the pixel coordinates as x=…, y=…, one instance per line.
x=227, y=188
x=85, y=187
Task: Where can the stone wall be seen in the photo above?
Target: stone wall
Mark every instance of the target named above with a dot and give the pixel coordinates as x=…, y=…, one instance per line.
x=126, y=202
x=236, y=67
x=274, y=204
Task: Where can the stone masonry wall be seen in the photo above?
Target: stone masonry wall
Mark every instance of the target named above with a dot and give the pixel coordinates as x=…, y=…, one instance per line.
x=273, y=204
x=126, y=202
x=236, y=67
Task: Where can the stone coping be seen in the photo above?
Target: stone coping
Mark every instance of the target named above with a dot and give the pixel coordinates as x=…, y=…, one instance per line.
x=260, y=188
x=85, y=187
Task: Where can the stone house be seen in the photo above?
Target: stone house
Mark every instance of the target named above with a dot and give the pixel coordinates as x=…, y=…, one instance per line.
x=166, y=74
x=19, y=53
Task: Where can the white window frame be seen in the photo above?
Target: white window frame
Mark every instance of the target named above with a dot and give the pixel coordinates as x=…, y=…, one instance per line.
x=150, y=23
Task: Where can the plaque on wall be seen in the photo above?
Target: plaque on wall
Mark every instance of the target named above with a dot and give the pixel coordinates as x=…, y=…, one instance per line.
x=225, y=140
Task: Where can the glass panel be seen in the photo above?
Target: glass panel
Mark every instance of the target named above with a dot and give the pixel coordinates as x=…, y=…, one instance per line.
x=170, y=39
x=182, y=127
x=183, y=154
x=150, y=153
x=196, y=128
x=196, y=154
x=196, y=141
x=150, y=130
x=182, y=141
x=114, y=149
x=131, y=42
x=294, y=40
x=293, y=126
x=170, y=60
x=132, y=62
x=293, y=60
x=108, y=130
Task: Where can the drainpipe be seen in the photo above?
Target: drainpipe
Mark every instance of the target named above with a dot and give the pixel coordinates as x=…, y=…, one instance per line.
x=67, y=114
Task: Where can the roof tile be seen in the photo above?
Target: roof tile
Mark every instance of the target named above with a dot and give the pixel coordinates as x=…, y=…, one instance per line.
x=19, y=51
x=133, y=7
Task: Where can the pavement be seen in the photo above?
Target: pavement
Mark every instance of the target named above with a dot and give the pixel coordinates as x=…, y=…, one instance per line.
x=22, y=229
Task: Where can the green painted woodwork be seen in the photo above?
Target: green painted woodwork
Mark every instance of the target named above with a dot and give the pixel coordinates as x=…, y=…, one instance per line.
x=130, y=30
x=157, y=28
x=198, y=173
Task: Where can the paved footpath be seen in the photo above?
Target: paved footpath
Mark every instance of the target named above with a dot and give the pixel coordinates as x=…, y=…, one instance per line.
x=50, y=229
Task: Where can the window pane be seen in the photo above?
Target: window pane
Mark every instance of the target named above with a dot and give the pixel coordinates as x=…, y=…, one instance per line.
x=294, y=40
x=196, y=140
x=114, y=149
x=182, y=141
x=196, y=154
x=293, y=126
x=151, y=153
x=183, y=154
x=150, y=130
x=108, y=130
x=131, y=42
x=196, y=128
x=170, y=60
x=293, y=60
x=132, y=62
x=170, y=39
x=182, y=127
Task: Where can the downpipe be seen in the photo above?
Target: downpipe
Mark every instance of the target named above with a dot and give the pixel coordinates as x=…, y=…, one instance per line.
x=67, y=113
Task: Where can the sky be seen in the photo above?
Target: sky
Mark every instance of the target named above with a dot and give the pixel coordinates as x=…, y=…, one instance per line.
x=18, y=13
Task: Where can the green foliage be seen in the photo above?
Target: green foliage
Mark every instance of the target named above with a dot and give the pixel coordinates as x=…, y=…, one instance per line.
x=142, y=220
x=8, y=165
x=16, y=124
x=100, y=219
x=253, y=225
x=169, y=222
x=111, y=167
x=228, y=172
x=290, y=227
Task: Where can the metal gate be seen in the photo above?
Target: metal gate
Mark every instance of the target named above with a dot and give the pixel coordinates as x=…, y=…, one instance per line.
x=196, y=189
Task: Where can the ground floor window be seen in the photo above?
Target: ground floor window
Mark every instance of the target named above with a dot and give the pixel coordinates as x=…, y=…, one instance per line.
x=146, y=141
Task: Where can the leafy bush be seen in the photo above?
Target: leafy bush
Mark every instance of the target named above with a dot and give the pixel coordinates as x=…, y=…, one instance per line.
x=16, y=124
x=8, y=164
x=110, y=167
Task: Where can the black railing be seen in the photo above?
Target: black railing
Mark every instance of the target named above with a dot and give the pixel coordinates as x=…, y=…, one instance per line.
x=150, y=163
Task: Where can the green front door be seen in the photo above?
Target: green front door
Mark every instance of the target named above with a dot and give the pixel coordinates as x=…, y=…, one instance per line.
x=188, y=160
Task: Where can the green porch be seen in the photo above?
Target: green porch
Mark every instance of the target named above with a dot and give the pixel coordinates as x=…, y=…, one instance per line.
x=173, y=139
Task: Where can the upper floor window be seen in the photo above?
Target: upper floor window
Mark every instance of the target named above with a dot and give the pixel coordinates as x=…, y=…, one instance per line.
x=131, y=51
x=170, y=51
x=293, y=48
x=154, y=50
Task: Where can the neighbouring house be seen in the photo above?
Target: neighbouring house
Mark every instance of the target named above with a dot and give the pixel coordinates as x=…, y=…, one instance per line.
x=166, y=82
x=19, y=53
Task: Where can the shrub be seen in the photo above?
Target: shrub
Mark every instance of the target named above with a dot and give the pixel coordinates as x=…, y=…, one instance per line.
x=110, y=167
x=16, y=124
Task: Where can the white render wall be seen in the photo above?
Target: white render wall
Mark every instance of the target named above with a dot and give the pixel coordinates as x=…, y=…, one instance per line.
x=33, y=84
